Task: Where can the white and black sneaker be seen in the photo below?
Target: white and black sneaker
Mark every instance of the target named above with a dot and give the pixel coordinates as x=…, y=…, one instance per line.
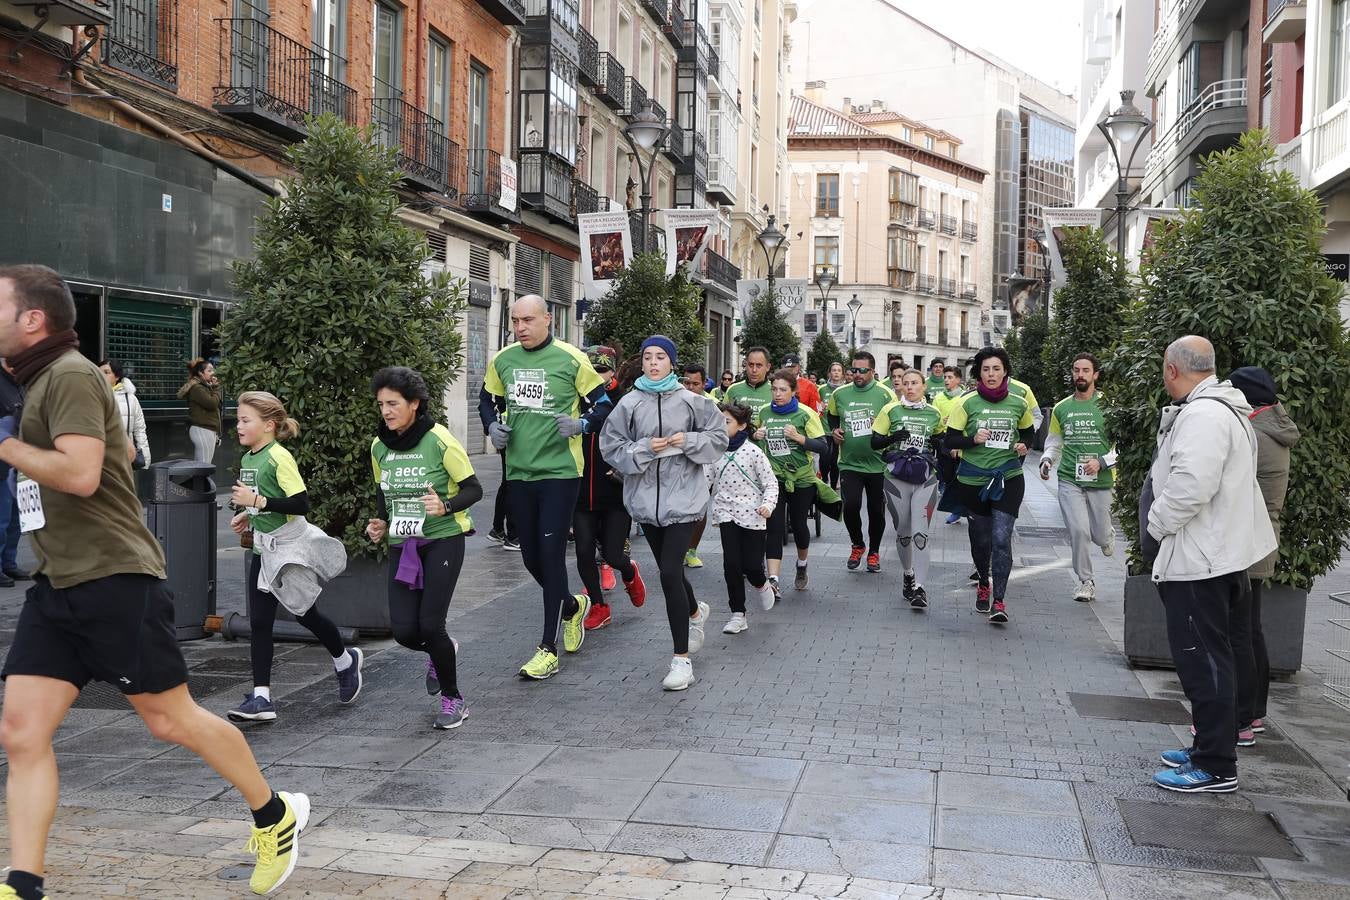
x=919, y=599
x=910, y=584
x=1086, y=592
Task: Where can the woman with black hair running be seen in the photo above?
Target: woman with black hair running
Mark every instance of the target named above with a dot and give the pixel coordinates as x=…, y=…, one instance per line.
x=426, y=486
x=789, y=432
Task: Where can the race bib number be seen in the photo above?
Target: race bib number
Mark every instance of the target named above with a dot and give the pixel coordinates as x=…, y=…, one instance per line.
x=527, y=389
x=778, y=446
x=1080, y=469
x=249, y=478
x=409, y=517
x=917, y=441
x=1000, y=436
x=31, y=516
x=859, y=423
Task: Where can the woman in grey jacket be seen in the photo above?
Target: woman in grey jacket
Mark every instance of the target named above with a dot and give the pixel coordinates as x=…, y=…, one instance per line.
x=659, y=438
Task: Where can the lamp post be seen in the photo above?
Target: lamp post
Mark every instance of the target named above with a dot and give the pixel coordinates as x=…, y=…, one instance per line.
x=646, y=131
x=1122, y=129
x=772, y=241
x=1043, y=243
x=853, y=306
x=825, y=281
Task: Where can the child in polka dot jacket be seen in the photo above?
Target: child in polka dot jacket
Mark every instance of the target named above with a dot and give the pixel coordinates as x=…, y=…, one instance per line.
x=744, y=494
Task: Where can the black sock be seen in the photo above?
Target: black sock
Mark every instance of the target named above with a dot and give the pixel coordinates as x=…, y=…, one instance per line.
x=27, y=885
x=270, y=813
x=570, y=607
x=550, y=646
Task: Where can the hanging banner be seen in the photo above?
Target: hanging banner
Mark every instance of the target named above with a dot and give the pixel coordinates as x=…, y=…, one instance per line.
x=508, y=198
x=688, y=232
x=1149, y=224
x=606, y=247
x=1059, y=223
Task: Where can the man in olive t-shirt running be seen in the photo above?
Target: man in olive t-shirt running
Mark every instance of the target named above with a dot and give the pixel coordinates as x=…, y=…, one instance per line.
x=99, y=607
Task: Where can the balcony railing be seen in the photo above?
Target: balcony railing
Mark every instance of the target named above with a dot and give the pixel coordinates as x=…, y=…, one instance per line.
x=948, y=224
x=715, y=64
x=587, y=197
x=946, y=287
x=508, y=12
x=271, y=81
x=546, y=183
x=921, y=334
x=674, y=27
x=696, y=151
x=609, y=81
x=696, y=48
x=659, y=10
x=902, y=214
x=674, y=147
x=143, y=40
x=634, y=96
x=1286, y=21
x=926, y=219
x=968, y=291
x=899, y=278
x=423, y=149
x=588, y=64
x=925, y=284
x=657, y=109
x=970, y=231
x=1217, y=95
x=720, y=270
x=480, y=188
x=942, y=337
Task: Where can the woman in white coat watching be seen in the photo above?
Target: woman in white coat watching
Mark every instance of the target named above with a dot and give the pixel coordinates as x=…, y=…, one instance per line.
x=129, y=408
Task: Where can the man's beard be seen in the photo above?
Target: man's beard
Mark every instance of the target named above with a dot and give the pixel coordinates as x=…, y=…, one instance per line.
x=1081, y=386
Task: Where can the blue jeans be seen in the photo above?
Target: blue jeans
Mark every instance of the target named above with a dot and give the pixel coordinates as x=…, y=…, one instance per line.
x=9, y=523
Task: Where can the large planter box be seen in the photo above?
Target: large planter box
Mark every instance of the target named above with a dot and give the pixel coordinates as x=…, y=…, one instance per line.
x=1283, y=617
x=358, y=598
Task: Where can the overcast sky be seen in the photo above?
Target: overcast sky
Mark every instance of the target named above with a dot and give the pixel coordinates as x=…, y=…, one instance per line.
x=1039, y=36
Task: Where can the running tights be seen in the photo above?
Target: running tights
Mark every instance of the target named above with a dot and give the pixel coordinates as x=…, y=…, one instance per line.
x=262, y=614
x=669, y=544
x=608, y=529
x=742, y=560
x=991, y=546
x=911, y=507
x=829, y=465
x=542, y=514
x=418, y=617
x=853, y=486
x=501, y=519
x=796, y=505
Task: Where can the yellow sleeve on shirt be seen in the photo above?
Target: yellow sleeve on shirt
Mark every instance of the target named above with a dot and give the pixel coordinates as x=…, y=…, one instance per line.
x=1027, y=420
x=1054, y=422
x=882, y=423
x=492, y=382
x=288, y=473
x=814, y=427
x=455, y=460
x=958, y=418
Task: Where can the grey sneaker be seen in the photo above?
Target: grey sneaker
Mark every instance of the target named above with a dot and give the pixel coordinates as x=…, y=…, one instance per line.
x=800, y=583
x=696, y=631
x=349, y=679
x=453, y=713
x=254, y=709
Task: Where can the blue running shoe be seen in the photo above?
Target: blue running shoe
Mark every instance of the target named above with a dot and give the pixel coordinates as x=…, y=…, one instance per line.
x=1188, y=779
x=349, y=679
x=254, y=709
x=1176, y=758
x=953, y=518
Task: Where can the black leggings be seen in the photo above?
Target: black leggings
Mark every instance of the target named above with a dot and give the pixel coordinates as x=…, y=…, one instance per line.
x=742, y=560
x=542, y=514
x=418, y=617
x=1262, y=659
x=607, y=528
x=501, y=518
x=669, y=543
x=829, y=464
x=855, y=484
x=262, y=614
x=796, y=504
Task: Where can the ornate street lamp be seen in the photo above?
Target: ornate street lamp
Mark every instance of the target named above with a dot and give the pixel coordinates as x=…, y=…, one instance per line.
x=853, y=306
x=1122, y=129
x=646, y=131
x=825, y=282
x=772, y=241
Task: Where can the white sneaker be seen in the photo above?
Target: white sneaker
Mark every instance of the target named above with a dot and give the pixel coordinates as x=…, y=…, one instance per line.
x=766, y=596
x=736, y=625
x=680, y=676
x=1085, y=593
x=1110, y=548
x=696, y=627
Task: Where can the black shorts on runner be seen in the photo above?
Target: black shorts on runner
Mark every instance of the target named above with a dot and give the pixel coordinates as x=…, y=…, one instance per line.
x=118, y=629
x=1011, y=501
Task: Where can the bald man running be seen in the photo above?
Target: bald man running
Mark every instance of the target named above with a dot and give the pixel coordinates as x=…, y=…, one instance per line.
x=541, y=386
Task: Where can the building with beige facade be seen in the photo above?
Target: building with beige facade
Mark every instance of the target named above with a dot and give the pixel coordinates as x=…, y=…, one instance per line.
x=886, y=206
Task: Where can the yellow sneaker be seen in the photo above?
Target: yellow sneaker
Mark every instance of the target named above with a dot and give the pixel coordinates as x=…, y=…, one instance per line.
x=574, y=629
x=278, y=847
x=7, y=892
x=544, y=664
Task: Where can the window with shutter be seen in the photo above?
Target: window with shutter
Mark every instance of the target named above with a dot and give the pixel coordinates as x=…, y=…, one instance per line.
x=529, y=270
x=480, y=263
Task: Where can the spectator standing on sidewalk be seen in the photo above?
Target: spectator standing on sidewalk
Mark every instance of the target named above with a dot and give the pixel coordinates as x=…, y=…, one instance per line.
x=1203, y=526
x=204, y=395
x=133, y=418
x=1276, y=435
x=11, y=404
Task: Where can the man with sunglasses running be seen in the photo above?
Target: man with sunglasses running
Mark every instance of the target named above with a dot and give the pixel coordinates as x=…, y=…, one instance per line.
x=851, y=410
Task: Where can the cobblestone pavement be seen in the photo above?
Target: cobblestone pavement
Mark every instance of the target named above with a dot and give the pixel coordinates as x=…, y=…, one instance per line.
x=845, y=746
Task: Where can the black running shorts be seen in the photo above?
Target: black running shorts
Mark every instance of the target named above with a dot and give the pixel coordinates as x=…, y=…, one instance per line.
x=1010, y=502
x=118, y=629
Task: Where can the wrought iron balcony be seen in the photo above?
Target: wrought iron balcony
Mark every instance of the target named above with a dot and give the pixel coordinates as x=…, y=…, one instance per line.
x=546, y=184
x=925, y=284
x=968, y=291
x=946, y=287
x=587, y=198
x=271, y=81
x=588, y=65
x=720, y=270
x=423, y=149
x=674, y=148
x=674, y=27
x=970, y=231
x=926, y=219
x=657, y=109
x=480, y=185
x=942, y=337
x=921, y=334
x=695, y=153
x=948, y=224
x=508, y=12
x=696, y=48
x=634, y=96
x=143, y=40
x=609, y=81
x=659, y=10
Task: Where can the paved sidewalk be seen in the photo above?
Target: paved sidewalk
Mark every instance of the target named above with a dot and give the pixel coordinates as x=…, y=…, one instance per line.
x=845, y=746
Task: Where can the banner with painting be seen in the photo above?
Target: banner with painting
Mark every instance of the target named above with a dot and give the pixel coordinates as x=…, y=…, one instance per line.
x=1058, y=223
x=606, y=249
x=688, y=232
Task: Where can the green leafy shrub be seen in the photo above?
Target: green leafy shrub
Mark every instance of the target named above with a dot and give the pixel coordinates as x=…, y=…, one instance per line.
x=1026, y=350
x=643, y=302
x=1244, y=269
x=1089, y=308
x=335, y=292
x=766, y=327
x=824, y=353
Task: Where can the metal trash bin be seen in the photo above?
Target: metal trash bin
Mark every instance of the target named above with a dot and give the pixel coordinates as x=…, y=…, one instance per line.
x=180, y=511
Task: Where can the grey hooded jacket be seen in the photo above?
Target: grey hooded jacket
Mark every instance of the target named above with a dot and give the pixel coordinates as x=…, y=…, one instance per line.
x=1276, y=433
x=674, y=487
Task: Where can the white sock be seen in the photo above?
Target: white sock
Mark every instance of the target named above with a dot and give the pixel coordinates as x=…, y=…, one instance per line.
x=263, y=692
x=909, y=572
x=801, y=564
x=343, y=662
x=773, y=578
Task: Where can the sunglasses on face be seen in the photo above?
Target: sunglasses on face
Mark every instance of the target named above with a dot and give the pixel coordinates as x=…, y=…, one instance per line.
x=859, y=370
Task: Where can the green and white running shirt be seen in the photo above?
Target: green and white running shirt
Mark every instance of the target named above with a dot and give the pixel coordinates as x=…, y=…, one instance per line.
x=757, y=398
x=271, y=472
x=790, y=461
x=1082, y=425
x=540, y=385
x=857, y=409
x=921, y=423
x=1002, y=420
x=438, y=463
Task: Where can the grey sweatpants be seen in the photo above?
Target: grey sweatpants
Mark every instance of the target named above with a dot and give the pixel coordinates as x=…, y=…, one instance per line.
x=909, y=506
x=1087, y=515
